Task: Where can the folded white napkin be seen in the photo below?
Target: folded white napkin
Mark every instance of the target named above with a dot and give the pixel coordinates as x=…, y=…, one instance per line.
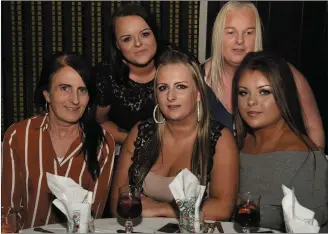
x=188, y=194
x=74, y=201
x=298, y=219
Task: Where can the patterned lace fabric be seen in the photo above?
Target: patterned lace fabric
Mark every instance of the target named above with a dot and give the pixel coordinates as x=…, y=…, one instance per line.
x=144, y=147
x=129, y=103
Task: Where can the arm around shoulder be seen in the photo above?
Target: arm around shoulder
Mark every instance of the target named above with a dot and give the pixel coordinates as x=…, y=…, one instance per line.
x=124, y=162
x=224, y=182
x=102, y=118
x=311, y=115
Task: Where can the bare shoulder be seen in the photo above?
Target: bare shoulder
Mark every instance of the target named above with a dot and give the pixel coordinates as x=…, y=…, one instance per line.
x=290, y=142
x=298, y=76
x=226, y=142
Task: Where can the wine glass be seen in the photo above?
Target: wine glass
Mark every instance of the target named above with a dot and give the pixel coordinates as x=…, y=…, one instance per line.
x=247, y=212
x=129, y=205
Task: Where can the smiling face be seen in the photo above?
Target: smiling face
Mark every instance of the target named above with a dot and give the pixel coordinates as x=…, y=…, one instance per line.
x=176, y=92
x=67, y=97
x=135, y=40
x=256, y=103
x=239, y=35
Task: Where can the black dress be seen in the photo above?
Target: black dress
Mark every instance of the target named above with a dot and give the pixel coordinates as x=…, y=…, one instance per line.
x=145, y=144
x=129, y=102
x=217, y=110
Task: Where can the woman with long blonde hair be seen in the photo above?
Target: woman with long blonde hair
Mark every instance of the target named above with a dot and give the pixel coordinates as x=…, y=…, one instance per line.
x=180, y=135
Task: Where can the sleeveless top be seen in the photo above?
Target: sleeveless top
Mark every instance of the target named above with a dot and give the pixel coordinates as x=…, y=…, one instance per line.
x=145, y=146
x=217, y=110
x=128, y=103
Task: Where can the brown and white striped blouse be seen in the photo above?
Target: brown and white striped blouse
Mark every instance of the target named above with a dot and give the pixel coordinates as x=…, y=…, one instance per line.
x=28, y=155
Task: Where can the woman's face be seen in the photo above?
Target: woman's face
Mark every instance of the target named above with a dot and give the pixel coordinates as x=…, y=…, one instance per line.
x=239, y=35
x=176, y=92
x=68, y=96
x=256, y=103
x=135, y=40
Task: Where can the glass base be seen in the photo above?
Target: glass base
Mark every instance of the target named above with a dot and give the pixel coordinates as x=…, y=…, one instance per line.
x=128, y=226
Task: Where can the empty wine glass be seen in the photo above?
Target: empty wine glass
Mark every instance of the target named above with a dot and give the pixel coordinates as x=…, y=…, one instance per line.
x=129, y=205
x=247, y=212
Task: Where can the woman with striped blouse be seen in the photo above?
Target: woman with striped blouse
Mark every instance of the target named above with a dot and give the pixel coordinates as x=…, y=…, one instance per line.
x=65, y=140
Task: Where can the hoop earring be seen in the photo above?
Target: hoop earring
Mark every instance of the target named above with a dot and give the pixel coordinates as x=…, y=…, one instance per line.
x=198, y=111
x=154, y=116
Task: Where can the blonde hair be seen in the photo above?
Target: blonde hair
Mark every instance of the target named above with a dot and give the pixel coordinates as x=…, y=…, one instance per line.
x=199, y=159
x=215, y=80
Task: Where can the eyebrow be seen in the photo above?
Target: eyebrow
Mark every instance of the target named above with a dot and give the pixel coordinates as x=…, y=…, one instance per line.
x=71, y=85
x=139, y=32
x=174, y=83
x=262, y=86
x=235, y=28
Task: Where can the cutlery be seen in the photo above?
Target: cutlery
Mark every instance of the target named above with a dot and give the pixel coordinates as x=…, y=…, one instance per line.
x=269, y=231
x=40, y=229
x=122, y=231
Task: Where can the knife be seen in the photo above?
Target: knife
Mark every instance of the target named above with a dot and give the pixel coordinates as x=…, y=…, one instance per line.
x=40, y=229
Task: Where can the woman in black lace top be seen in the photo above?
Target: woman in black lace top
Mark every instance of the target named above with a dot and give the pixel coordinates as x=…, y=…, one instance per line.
x=180, y=135
x=125, y=81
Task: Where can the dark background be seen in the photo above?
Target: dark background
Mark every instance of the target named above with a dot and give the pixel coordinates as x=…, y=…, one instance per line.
x=298, y=31
x=33, y=30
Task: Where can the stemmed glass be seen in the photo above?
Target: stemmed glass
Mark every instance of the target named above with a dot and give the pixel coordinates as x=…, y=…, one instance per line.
x=247, y=213
x=129, y=205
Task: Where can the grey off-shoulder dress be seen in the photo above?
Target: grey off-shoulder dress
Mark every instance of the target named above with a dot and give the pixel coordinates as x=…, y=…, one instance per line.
x=307, y=172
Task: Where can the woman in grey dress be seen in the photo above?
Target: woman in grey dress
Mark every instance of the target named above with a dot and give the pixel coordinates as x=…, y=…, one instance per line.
x=275, y=148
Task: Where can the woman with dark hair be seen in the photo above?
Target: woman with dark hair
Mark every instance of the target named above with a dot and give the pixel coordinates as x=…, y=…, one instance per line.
x=125, y=81
x=66, y=140
x=275, y=147
x=180, y=135
x=237, y=31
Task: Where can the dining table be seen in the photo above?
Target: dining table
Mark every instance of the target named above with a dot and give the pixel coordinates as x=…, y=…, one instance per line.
x=144, y=225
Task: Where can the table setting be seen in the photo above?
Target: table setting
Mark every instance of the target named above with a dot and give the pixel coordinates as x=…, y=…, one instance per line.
x=75, y=203
x=145, y=225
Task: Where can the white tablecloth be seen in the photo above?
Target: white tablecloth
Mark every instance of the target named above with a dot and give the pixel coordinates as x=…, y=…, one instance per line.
x=147, y=225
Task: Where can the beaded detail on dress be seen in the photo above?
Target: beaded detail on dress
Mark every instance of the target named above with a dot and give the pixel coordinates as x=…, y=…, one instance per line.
x=134, y=96
x=145, y=148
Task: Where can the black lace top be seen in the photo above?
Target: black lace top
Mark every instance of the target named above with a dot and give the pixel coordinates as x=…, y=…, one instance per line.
x=146, y=142
x=128, y=103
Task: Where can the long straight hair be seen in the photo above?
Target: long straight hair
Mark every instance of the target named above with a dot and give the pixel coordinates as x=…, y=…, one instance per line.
x=284, y=91
x=93, y=133
x=200, y=153
x=215, y=80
